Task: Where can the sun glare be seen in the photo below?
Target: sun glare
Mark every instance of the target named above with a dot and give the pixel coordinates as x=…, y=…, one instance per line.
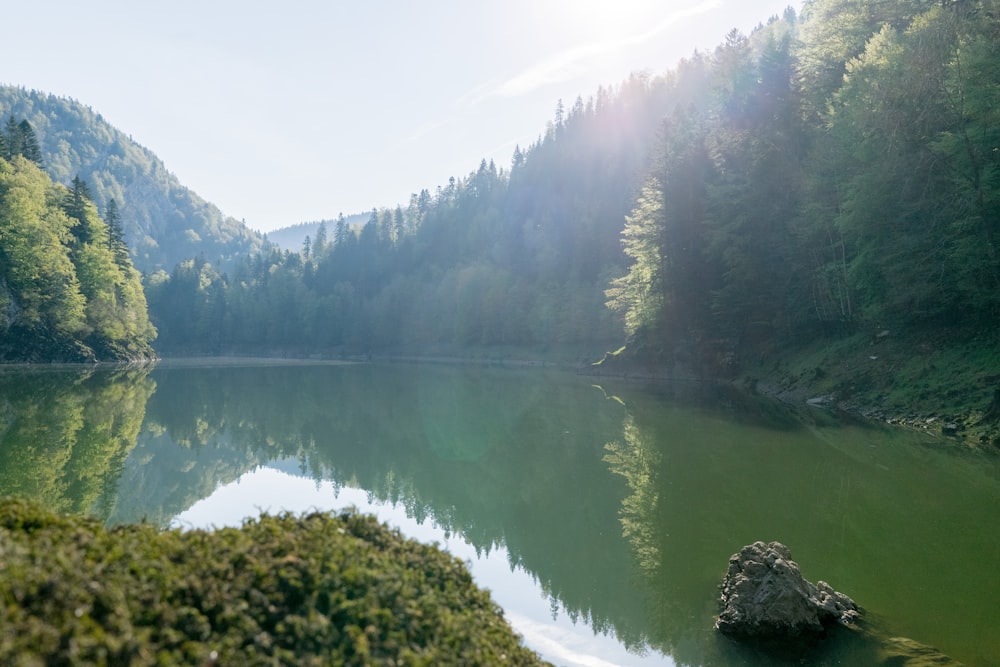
x=624, y=19
x=609, y=18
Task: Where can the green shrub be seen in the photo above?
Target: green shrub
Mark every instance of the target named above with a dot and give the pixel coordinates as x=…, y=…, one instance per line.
x=312, y=590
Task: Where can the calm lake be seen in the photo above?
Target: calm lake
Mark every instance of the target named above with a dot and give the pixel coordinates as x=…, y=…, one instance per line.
x=600, y=513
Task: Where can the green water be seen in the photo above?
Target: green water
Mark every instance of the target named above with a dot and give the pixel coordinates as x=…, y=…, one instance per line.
x=611, y=508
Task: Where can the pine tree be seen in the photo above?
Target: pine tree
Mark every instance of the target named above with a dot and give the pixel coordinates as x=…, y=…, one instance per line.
x=319, y=243
x=116, y=235
x=11, y=139
x=518, y=159
x=75, y=205
x=18, y=138
x=341, y=232
x=29, y=142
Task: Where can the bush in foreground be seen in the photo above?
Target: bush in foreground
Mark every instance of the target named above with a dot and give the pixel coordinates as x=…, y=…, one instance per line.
x=312, y=590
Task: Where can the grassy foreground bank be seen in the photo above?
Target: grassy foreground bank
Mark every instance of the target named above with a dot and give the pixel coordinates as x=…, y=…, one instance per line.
x=319, y=589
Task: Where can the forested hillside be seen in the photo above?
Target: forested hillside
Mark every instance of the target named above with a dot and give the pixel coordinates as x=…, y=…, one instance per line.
x=841, y=172
x=68, y=290
x=164, y=222
x=830, y=173
x=294, y=237
x=517, y=257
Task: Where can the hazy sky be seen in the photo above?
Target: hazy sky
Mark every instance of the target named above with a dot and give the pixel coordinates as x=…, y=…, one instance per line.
x=293, y=111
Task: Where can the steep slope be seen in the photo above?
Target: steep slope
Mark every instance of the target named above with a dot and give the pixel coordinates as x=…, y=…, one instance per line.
x=164, y=221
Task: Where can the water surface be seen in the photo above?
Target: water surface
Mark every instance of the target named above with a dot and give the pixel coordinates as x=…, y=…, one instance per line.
x=601, y=517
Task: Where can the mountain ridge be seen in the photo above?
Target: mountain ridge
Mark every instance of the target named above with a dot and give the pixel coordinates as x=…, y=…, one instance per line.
x=292, y=237
x=164, y=221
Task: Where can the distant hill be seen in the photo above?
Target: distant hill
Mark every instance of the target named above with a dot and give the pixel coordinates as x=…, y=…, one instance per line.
x=164, y=221
x=293, y=236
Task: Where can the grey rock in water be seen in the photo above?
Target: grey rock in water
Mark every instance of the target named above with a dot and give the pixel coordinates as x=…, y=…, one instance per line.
x=764, y=595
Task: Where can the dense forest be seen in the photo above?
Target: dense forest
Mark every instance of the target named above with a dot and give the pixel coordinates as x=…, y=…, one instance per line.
x=840, y=171
x=163, y=221
x=501, y=258
x=293, y=237
x=68, y=290
x=833, y=171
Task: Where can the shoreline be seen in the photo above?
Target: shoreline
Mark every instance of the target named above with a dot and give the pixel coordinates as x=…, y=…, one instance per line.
x=846, y=375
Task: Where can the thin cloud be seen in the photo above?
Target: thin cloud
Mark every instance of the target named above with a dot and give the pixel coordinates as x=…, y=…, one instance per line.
x=567, y=64
x=425, y=129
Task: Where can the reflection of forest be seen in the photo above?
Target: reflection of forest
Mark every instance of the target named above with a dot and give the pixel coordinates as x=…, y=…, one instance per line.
x=681, y=573
x=521, y=460
x=65, y=434
x=854, y=503
x=506, y=458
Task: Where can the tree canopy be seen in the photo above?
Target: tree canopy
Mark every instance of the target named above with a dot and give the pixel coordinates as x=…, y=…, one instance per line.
x=65, y=294
x=163, y=222
x=848, y=179
x=829, y=172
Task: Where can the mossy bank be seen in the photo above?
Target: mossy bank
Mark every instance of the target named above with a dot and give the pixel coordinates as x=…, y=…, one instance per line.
x=943, y=382
x=318, y=589
x=940, y=381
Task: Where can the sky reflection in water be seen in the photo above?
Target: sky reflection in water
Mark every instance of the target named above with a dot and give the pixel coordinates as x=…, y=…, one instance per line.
x=557, y=637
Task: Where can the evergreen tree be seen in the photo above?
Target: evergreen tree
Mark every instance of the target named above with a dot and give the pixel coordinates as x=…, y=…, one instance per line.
x=341, y=233
x=11, y=139
x=116, y=234
x=29, y=142
x=319, y=243
x=518, y=159
x=754, y=197
x=18, y=138
x=398, y=224
x=75, y=204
